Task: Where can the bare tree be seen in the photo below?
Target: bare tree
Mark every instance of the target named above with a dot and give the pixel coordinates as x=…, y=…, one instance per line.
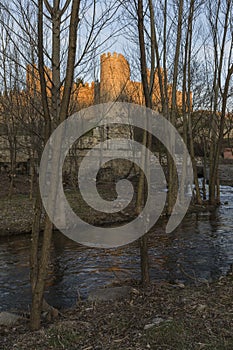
x=187, y=91
x=54, y=59
x=220, y=17
x=60, y=109
x=147, y=91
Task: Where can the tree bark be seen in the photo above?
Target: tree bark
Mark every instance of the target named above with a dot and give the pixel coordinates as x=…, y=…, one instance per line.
x=172, y=184
x=146, y=142
x=39, y=264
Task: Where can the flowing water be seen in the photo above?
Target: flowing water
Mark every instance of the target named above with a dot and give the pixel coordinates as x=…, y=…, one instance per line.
x=200, y=249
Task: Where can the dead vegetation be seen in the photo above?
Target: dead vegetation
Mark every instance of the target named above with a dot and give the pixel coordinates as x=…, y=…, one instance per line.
x=161, y=317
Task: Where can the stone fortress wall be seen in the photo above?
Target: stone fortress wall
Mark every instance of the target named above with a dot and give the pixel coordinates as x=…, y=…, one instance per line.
x=115, y=84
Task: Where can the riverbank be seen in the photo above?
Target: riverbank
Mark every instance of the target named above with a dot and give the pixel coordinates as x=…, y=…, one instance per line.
x=163, y=316
x=16, y=213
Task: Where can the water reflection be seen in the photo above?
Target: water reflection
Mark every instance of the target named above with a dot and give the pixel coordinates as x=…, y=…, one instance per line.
x=200, y=249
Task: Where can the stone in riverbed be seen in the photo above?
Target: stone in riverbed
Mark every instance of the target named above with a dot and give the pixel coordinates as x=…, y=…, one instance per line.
x=110, y=294
x=8, y=319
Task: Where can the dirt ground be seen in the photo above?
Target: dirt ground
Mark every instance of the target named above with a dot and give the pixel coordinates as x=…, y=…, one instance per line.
x=164, y=316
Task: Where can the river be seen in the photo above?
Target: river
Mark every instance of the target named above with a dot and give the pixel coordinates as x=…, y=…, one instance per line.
x=199, y=250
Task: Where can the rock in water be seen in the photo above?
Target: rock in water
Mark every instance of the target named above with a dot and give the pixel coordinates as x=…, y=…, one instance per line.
x=8, y=319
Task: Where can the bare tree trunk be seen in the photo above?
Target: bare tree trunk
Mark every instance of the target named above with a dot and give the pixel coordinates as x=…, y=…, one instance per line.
x=172, y=178
x=188, y=49
x=38, y=291
x=32, y=176
x=216, y=143
x=56, y=80
x=12, y=142
x=146, y=142
x=39, y=265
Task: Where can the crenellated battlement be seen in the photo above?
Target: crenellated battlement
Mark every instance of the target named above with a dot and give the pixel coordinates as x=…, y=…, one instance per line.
x=114, y=55
x=115, y=84
x=88, y=85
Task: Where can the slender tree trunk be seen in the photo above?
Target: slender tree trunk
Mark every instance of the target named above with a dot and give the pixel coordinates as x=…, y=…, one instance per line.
x=189, y=103
x=38, y=291
x=12, y=174
x=204, y=171
x=146, y=142
x=219, y=61
x=172, y=178
x=32, y=176
x=56, y=80
x=40, y=261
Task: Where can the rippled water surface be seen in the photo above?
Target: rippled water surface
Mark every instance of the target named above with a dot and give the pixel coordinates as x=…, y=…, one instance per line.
x=201, y=248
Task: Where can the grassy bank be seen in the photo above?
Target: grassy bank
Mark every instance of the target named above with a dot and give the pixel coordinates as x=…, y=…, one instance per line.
x=171, y=317
x=16, y=213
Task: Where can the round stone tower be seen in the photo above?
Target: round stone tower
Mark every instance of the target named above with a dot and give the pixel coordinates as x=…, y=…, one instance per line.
x=114, y=76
